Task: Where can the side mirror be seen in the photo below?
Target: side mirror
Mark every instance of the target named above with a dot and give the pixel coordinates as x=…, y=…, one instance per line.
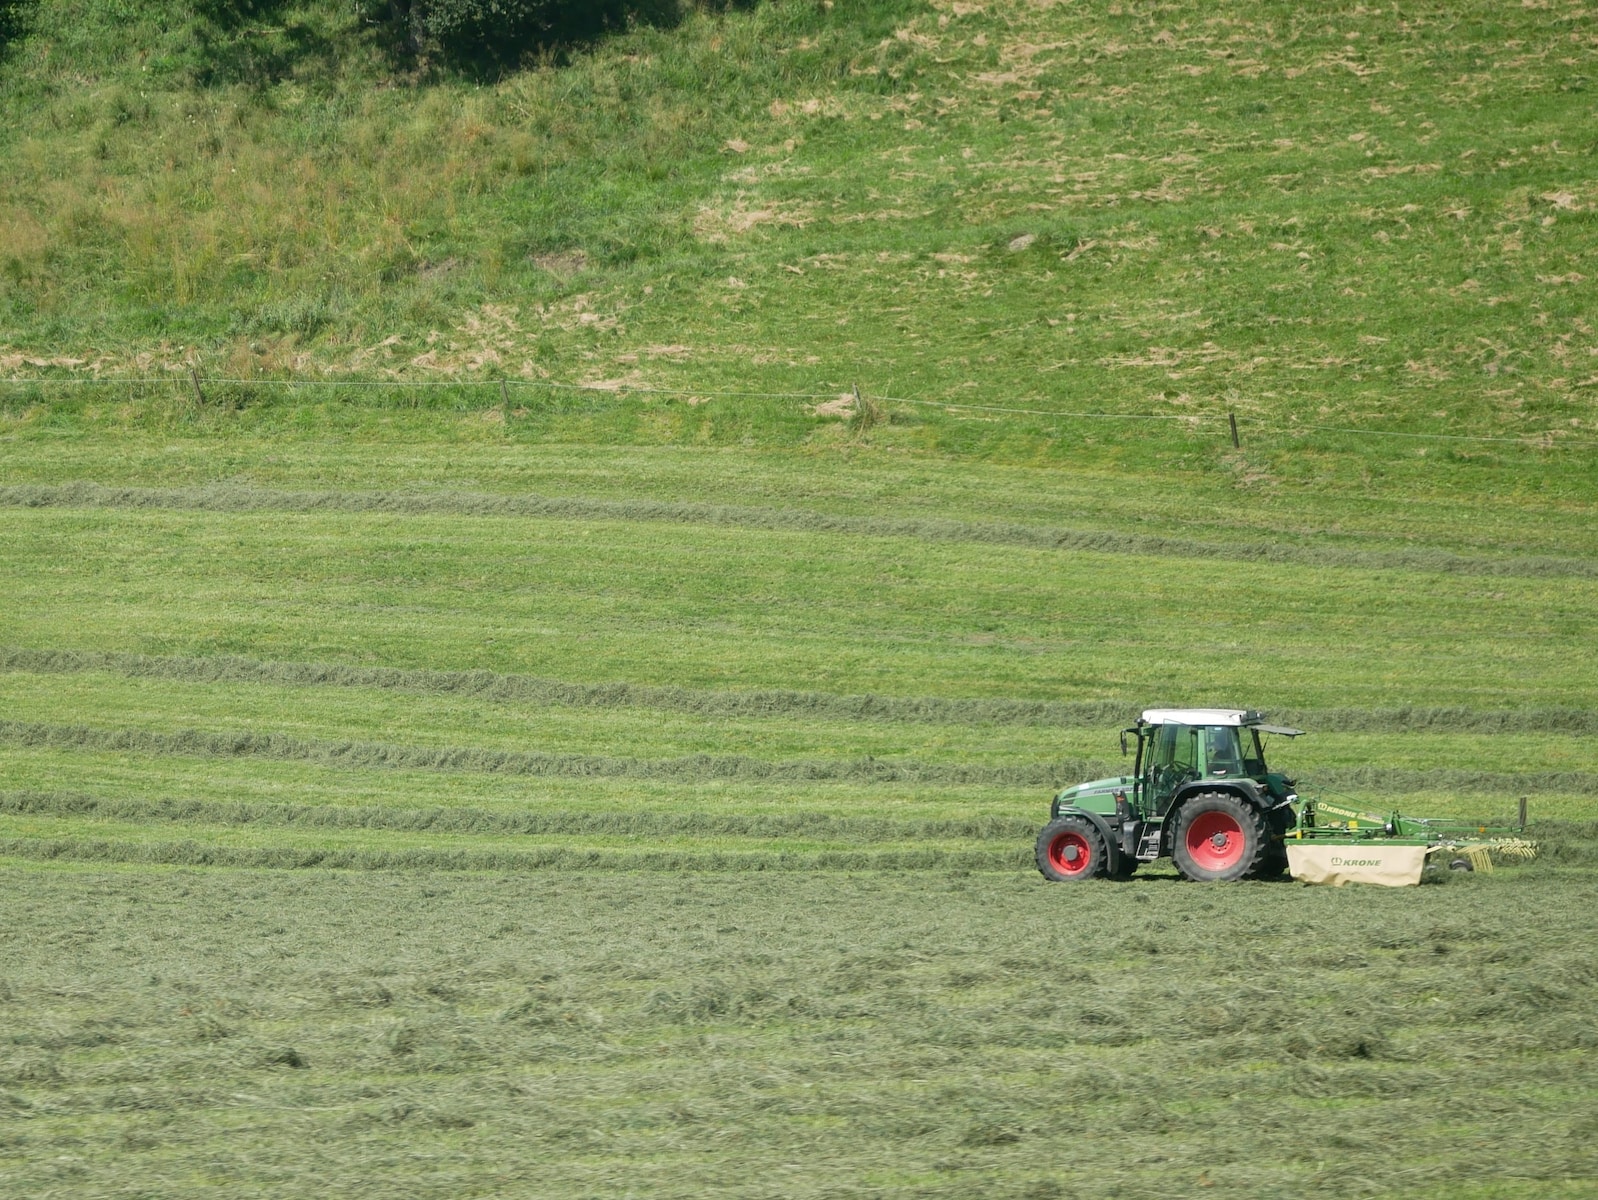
x=1123, y=743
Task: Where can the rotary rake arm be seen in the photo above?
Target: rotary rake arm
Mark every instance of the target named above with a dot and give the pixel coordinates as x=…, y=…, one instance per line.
x=1476, y=844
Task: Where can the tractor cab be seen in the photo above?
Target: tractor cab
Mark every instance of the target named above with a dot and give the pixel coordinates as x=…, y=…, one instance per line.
x=1181, y=747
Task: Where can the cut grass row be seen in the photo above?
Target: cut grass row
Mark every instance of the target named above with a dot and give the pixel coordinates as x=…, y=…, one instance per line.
x=533, y=764
x=355, y=726
x=82, y=827
x=231, y=780
x=237, y=499
x=242, y=689
x=658, y=827
x=428, y=719
x=577, y=1033
x=252, y=780
x=1362, y=503
x=49, y=845
x=705, y=768
x=707, y=607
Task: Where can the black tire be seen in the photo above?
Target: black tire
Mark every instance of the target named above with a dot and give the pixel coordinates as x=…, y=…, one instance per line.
x=1272, y=864
x=1070, y=850
x=1220, y=838
x=1273, y=861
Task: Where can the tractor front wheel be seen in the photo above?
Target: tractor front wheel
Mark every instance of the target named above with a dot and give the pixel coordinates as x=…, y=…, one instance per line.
x=1219, y=837
x=1070, y=848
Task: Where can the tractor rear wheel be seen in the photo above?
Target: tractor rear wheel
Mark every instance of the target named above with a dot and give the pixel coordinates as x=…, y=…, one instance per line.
x=1273, y=862
x=1070, y=849
x=1219, y=837
x=1273, y=859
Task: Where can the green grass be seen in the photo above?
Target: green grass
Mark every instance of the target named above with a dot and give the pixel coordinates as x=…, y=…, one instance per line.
x=452, y=787
x=571, y=1033
x=119, y=774
x=1377, y=506
x=360, y=714
x=1315, y=219
x=622, y=849
x=707, y=607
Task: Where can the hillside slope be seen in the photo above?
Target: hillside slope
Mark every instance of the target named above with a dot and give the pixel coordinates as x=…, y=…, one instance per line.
x=1346, y=218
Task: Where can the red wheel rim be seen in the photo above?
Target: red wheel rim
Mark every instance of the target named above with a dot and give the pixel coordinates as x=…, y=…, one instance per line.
x=1061, y=856
x=1215, y=841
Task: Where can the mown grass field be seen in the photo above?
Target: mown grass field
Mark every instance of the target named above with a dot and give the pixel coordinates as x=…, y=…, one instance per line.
x=350, y=1033
x=359, y=828
x=455, y=787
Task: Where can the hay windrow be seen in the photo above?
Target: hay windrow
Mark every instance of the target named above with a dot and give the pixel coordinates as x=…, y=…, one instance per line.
x=529, y=823
x=189, y=853
x=577, y=508
x=1441, y=719
x=1397, y=782
x=694, y=767
x=527, y=689
x=932, y=710
x=707, y=767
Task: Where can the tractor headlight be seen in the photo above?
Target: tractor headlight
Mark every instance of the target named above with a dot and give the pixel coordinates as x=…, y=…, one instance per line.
x=1292, y=798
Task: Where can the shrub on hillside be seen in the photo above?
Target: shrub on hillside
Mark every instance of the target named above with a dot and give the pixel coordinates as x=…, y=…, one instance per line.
x=263, y=41
x=501, y=32
x=13, y=20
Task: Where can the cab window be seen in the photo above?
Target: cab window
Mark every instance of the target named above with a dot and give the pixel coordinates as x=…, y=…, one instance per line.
x=1174, y=762
x=1222, y=755
x=1253, y=753
x=1175, y=747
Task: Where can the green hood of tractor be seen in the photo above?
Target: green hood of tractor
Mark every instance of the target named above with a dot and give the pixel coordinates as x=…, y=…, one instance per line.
x=1096, y=787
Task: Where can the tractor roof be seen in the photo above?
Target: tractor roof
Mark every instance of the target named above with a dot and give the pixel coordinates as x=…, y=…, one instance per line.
x=1202, y=716
x=1246, y=717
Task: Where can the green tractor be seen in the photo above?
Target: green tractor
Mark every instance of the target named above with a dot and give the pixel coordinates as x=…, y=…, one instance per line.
x=1199, y=792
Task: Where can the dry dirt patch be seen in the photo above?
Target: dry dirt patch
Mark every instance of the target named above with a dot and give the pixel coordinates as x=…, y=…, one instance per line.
x=718, y=224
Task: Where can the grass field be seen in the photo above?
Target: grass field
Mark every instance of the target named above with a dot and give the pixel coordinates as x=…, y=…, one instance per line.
x=669, y=833
x=796, y=1035
x=420, y=778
